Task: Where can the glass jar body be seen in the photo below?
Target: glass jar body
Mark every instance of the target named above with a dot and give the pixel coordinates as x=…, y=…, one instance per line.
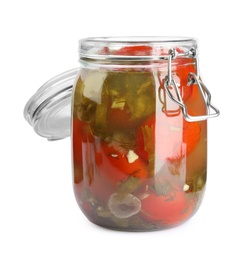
x=138, y=165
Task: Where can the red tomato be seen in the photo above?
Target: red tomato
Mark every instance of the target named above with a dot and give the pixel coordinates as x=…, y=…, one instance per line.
x=168, y=138
x=117, y=165
x=169, y=210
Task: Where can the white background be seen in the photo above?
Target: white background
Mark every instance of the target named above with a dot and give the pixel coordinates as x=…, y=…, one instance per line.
x=39, y=217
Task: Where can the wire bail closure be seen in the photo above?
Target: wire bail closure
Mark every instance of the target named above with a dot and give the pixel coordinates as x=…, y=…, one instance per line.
x=193, y=78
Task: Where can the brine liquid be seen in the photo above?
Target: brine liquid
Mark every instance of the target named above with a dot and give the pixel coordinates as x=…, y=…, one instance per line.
x=138, y=164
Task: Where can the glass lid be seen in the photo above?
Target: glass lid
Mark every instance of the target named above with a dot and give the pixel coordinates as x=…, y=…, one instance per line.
x=48, y=111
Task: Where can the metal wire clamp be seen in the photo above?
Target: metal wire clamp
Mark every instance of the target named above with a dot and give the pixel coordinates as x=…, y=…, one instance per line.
x=193, y=78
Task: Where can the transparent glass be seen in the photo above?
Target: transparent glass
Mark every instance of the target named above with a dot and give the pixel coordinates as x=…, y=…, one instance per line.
x=138, y=165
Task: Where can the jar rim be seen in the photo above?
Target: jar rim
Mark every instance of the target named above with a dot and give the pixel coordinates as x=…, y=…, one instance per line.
x=109, y=48
x=138, y=39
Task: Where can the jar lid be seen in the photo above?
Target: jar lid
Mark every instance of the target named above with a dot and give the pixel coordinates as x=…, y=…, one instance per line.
x=48, y=111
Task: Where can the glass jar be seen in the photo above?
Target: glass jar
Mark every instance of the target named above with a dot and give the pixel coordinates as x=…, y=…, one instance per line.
x=138, y=129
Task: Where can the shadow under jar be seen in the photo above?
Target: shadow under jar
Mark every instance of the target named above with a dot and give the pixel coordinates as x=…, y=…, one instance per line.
x=139, y=132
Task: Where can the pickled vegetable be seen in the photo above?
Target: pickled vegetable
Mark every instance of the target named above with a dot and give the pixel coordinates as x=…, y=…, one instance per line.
x=135, y=167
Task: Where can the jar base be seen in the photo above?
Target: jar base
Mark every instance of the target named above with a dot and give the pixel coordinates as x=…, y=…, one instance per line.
x=144, y=228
